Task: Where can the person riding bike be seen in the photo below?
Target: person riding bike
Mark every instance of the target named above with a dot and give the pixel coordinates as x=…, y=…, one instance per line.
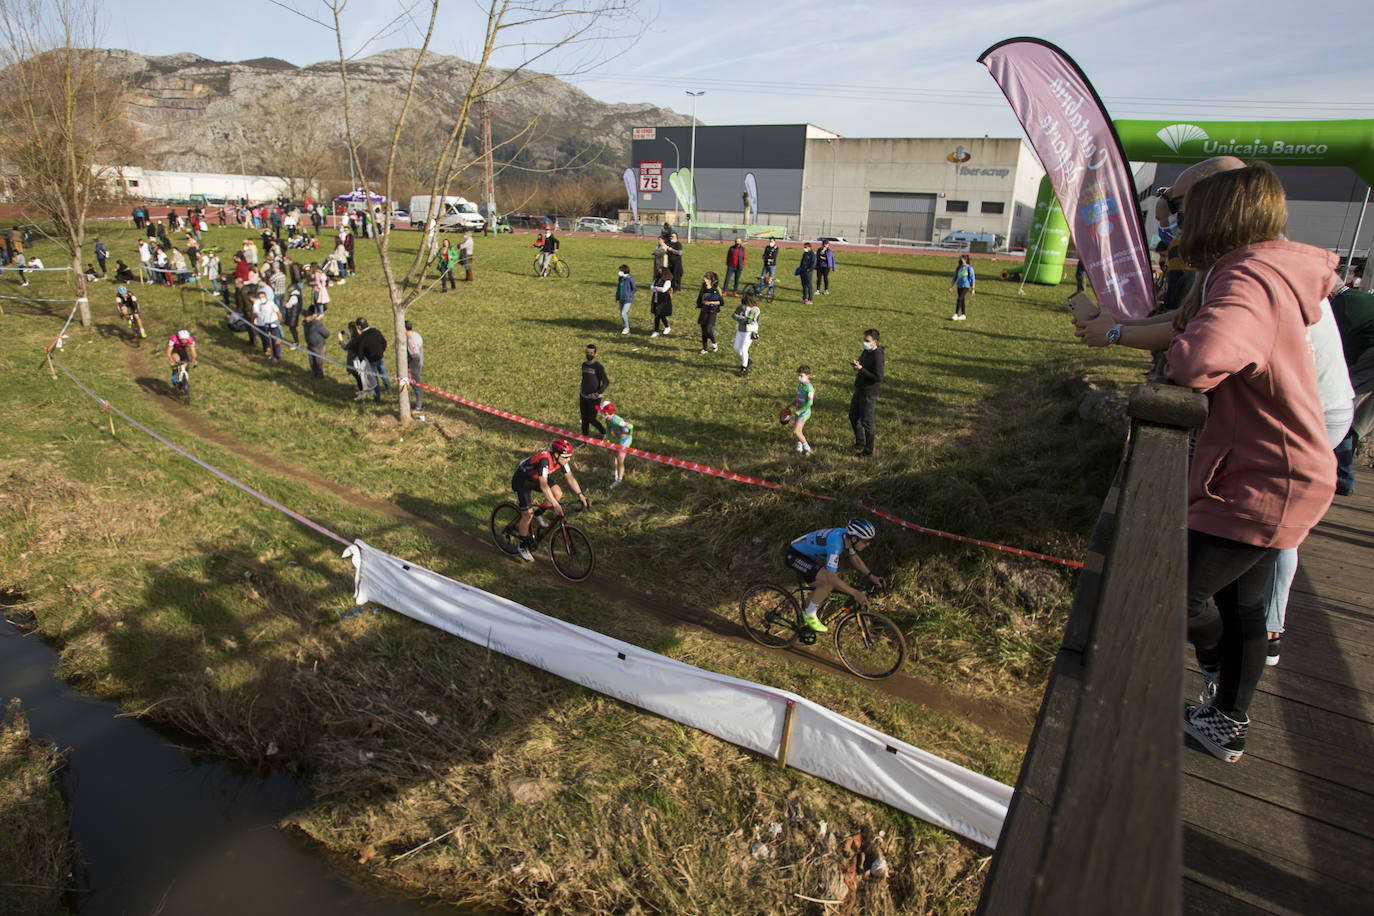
x=181, y=349
x=127, y=303
x=533, y=473
x=816, y=558
x=546, y=251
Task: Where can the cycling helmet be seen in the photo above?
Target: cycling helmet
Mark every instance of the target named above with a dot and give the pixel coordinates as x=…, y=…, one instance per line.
x=861, y=529
x=560, y=447
x=183, y=335
x=123, y=291
x=606, y=407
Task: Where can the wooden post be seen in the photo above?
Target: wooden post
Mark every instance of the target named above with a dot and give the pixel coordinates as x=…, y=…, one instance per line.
x=109, y=415
x=785, y=743
x=1094, y=825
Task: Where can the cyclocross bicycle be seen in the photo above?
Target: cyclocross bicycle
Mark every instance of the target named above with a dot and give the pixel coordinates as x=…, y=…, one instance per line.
x=557, y=266
x=869, y=644
x=181, y=381
x=569, y=548
x=763, y=288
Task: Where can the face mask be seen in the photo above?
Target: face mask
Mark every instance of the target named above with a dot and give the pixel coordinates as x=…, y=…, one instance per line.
x=869, y=345
x=801, y=379
x=1172, y=230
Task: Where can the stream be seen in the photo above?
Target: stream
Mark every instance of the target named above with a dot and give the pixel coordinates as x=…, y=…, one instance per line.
x=161, y=833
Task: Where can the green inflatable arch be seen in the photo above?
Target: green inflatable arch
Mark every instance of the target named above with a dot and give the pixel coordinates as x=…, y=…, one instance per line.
x=1286, y=143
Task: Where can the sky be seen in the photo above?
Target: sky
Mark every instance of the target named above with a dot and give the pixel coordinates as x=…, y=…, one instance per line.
x=868, y=68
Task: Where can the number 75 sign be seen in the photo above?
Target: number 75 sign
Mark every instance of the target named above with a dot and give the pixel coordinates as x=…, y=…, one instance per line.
x=651, y=177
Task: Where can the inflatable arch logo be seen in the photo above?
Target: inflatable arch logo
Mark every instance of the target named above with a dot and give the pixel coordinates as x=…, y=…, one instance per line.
x=1175, y=135
x=1291, y=143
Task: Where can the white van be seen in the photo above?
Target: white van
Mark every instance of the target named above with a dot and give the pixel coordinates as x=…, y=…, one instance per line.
x=454, y=213
x=992, y=239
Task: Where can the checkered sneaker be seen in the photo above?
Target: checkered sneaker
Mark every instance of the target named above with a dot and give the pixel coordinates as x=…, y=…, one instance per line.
x=1222, y=736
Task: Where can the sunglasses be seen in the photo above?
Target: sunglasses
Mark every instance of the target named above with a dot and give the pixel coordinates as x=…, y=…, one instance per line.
x=1174, y=202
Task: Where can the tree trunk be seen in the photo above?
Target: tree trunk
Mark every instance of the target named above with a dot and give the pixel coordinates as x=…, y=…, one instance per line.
x=402, y=362
x=83, y=305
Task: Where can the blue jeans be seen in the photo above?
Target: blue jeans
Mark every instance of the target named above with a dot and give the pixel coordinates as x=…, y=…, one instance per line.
x=1345, y=463
x=271, y=337
x=446, y=279
x=379, y=367
x=726, y=282
x=625, y=314
x=807, y=291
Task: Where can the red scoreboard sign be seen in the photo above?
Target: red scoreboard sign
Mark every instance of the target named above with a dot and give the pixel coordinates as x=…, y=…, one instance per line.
x=651, y=177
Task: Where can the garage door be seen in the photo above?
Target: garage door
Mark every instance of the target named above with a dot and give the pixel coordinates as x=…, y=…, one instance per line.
x=901, y=216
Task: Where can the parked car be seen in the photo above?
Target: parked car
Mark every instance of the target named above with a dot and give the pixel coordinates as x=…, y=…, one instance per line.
x=596, y=224
x=991, y=239
x=528, y=221
x=833, y=239
x=399, y=216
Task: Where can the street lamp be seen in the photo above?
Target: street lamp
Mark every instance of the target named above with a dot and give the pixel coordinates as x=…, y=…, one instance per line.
x=692, y=161
x=677, y=163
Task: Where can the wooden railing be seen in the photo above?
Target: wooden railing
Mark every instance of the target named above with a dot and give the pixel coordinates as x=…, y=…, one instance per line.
x=1094, y=824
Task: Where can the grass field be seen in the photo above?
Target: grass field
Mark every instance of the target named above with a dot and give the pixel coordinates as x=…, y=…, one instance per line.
x=207, y=612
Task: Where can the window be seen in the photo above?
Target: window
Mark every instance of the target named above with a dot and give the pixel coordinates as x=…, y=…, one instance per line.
x=133, y=184
x=956, y=206
x=992, y=206
x=944, y=223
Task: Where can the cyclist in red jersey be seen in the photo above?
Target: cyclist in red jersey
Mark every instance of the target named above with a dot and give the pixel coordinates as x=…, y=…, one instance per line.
x=533, y=473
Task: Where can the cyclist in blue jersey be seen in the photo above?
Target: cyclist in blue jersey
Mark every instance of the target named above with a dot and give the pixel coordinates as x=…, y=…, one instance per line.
x=816, y=558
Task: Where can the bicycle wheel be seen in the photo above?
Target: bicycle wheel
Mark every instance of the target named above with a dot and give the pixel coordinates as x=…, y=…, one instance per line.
x=770, y=291
x=750, y=289
x=561, y=268
x=571, y=552
x=870, y=645
x=186, y=388
x=771, y=615
x=505, y=521
x=536, y=265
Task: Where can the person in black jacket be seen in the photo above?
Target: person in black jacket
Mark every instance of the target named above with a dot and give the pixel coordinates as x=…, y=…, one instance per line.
x=805, y=270
x=594, y=382
x=372, y=347
x=675, y=261
x=868, y=379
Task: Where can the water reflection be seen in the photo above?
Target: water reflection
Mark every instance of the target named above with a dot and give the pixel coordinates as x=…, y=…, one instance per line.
x=160, y=833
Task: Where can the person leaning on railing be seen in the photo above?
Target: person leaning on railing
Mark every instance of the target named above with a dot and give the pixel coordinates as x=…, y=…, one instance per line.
x=1263, y=472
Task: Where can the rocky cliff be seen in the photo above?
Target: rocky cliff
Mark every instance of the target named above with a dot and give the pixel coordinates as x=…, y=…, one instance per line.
x=194, y=114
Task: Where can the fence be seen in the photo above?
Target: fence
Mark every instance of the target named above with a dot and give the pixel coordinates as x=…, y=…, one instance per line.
x=1094, y=824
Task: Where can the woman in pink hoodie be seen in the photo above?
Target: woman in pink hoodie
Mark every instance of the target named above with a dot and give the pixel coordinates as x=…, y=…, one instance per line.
x=1263, y=472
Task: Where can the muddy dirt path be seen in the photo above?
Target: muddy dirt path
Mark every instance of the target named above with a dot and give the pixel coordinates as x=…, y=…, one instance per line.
x=1009, y=720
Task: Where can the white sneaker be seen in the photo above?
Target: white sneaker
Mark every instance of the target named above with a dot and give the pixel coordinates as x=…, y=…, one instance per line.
x=800, y=448
x=655, y=334
x=543, y=522
x=807, y=447
x=667, y=331
x=714, y=348
x=703, y=352
x=953, y=317
x=360, y=395
x=614, y=483
x=525, y=553
x=624, y=330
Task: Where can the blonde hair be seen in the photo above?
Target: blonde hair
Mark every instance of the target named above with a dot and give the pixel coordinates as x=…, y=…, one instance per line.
x=1224, y=212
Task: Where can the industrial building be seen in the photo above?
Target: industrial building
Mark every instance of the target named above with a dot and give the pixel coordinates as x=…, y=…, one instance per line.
x=813, y=182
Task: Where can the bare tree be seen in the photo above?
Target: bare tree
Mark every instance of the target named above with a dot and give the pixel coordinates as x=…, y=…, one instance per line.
x=567, y=36
x=61, y=106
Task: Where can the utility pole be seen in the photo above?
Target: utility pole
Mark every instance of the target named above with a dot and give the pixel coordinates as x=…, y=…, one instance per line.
x=489, y=172
x=693, y=162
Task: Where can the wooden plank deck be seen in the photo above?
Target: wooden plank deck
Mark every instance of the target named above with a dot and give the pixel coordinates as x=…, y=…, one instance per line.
x=1290, y=827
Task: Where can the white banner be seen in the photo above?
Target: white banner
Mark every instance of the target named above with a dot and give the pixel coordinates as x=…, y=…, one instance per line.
x=823, y=743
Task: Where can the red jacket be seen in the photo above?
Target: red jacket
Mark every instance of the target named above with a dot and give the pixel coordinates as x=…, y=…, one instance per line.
x=1263, y=472
x=735, y=256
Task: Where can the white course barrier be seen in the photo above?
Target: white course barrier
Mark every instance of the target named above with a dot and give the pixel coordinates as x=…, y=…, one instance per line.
x=763, y=719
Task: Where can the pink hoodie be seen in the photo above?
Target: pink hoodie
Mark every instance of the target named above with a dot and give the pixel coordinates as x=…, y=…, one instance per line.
x=1263, y=472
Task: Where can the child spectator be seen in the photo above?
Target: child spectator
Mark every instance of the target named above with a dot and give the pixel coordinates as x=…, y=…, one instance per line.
x=746, y=329
x=621, y=433
x=662, y=303
x=801, y=408
x=624, y=296
x=708, y=306
x=415, y=359
x=963, y=281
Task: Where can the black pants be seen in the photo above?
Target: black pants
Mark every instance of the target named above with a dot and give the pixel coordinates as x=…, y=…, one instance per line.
x=589, y=417
x=823, y=278
x=959, y=303
x=661, y=320
x=1230, y=634
x=861, y=408
x=708, y=328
